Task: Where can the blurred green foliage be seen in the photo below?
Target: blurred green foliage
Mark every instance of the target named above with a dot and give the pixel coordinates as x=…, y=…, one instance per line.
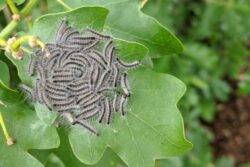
x=216, y=39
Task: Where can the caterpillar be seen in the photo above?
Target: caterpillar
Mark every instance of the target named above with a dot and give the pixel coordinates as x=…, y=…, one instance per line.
x=41, y=93
x=91, y=46
x=32, y=65
x=73, y=64
x=128, y=65
x=86, y=110
x=109, y=51
x=102, y=79
x=115, y=76
x=61, y=30
x=81, y=41
x=28, y=91
x=94, y=75
x=89, y=114
x=92, y=100
x=41, y=72
x=125, y=84
x=81, y=57
x=84, y=97
x=54, y=94
x=97, y=57
x=123, y=103
x=97, y=35
x=103, y=111
x=72, y=35
x=108, y=110
x=87, y=126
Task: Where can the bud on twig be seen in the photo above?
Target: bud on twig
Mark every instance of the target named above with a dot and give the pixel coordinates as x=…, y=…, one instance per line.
x=19, y=54
x=16, y=17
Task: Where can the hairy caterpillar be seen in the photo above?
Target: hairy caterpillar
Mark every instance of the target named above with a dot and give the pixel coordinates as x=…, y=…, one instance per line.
x=32, y=65
x=123, y=102
x=97, y=57
x=102, y=111
x=28, y=91
x=127, y=65
x=97, y=35
x=109, y=51
x=125, y=84
x=86, y=125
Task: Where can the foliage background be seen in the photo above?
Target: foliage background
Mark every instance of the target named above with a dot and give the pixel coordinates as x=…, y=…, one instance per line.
x=214, y=66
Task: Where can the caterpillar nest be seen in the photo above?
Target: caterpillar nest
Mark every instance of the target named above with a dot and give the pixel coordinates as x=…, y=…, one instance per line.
x=80, y=77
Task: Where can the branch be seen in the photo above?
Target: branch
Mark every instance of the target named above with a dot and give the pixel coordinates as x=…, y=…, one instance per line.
x=13, y=24
x=12, y=6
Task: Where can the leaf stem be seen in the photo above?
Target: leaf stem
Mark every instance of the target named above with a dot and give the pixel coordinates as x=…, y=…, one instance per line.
x=13, y=24
x=12, y=6
x=64, y=4
x=9, y=140
x=143, y=3
x=2, y=42
x=26, y=10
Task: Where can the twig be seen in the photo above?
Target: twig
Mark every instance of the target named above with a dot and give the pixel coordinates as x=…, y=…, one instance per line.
x=2, y=42
x=13, y=24
x=33, y=41
x=12, y=6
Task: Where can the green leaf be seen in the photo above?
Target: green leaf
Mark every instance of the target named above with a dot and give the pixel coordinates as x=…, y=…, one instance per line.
x=202, y=153
x=22, y=68
x=12, y=72
x=80, y=18
x=2, y=4
x=26, y=128
x=152, y=128
x=170, y=162
x=4, y=75
x=130, y=51
x=66, y=156
x=64, y=152
x=126, y=21
x=245, y=164
x=45, y=114
x=53, y=161
x=162, y=11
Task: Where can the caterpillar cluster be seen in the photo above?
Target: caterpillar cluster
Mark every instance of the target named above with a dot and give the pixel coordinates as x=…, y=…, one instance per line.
x=77, y=80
